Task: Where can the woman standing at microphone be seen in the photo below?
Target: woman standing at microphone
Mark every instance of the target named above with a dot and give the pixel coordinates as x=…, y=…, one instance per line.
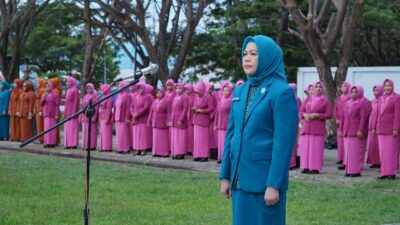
x=260, y=137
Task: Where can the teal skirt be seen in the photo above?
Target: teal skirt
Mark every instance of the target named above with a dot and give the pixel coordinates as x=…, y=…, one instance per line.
x=250, y=209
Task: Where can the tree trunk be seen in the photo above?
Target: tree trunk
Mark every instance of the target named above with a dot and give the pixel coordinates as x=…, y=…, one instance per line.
x=325, y=74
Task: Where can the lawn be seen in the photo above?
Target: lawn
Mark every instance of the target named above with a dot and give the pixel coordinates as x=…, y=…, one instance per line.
x=39, y=190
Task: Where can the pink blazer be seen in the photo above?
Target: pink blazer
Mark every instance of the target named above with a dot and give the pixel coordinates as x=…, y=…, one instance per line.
x=373, y=118
x=355, y=118
x=140, y=104
x=179, y=111
x=317, y=126
x=85, y=102
x=190, y=106
x=121, y=109
x=158, y=116
x=71, y=101
x=222, y=113
x=205, y=103
x=50, y=104
x=389, y=116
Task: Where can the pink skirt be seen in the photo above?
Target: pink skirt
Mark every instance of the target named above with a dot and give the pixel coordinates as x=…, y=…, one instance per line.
x=160, y=142
x=190, y=138
x=311, y=152
x=124, y=140
x=354, y=154
x=389, y=154
x=93, y=135
x=71, y=133
x=294, y=153
x=201, y=145
x=140, y=135
x=213, y=137
x=179, y=142
x=51, y=137
x=221, y=142
x=373, y=149
x=105, y=135
x=340, y=149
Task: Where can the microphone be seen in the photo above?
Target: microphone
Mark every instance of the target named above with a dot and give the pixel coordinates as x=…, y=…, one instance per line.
x=151, y=69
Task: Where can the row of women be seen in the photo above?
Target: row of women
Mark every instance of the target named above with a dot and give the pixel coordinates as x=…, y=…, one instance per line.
x=362, y=127
x=182, y=119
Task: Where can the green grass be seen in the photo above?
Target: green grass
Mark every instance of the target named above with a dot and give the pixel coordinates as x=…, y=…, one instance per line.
x=49, y=190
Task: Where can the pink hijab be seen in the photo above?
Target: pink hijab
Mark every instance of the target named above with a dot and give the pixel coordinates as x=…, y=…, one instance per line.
x=387, y=96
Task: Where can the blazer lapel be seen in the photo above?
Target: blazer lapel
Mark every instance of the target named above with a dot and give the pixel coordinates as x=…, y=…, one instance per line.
x=258, y=96
x=242, y=104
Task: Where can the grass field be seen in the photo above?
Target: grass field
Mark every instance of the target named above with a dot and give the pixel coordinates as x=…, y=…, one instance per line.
x=49, y=190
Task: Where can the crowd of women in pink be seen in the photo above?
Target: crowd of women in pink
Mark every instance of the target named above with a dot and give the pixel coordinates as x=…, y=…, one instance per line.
x=367, y=131
x=192, y=119
x=182, y=119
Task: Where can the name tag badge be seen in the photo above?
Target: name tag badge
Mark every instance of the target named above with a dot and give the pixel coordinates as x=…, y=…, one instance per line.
x=235, y=99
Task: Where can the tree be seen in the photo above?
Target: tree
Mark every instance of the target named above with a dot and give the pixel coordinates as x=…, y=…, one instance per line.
x=377, y=42
x=171, y=38
x=56, y=44
x=328, y=24
x=218, y=49
x=16, y=21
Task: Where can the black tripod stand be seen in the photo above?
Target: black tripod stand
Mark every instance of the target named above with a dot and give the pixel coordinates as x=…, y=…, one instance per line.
x=89, y=112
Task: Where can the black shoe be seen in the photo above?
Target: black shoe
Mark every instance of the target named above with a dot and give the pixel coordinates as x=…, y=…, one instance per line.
x=346, y=175
x=313, y=172
x=203, y=159
x=219, y=161
x=391, y=177
x=382, y=178
x=375, y=166
x=305, y=171
x=196, y=159
x=341, y=167
x=180, y=157
x=355, y=175
x=339, y=162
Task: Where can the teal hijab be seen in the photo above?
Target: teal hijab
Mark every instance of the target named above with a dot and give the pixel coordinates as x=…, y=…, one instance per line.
x=270, y=59
x=6, y=86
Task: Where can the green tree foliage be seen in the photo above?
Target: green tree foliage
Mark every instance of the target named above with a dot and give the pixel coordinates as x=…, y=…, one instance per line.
x=218, y=49
x=57, y=44
x=378, y=38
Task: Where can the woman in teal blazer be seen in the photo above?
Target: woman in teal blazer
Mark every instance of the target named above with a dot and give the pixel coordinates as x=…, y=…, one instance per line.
x=260, y=137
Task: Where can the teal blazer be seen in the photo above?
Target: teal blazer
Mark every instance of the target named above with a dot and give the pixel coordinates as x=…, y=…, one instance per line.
x=258, y=147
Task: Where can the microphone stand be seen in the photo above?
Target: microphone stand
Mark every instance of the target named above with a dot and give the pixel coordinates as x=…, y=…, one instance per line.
x=89, y=112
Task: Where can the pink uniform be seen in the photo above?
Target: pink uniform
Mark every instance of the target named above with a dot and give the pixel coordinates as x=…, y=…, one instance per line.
x=372, y=143
x=71, y=128
x=388, y=124
x=51, y=111
x=354, y=125
x=85, y=121
x=222, y=117
x=139, y=109
x=203, y=106
x=158, y=120
x=169, y=97
x=106, y=120
x=190, y=137
x=122, y=120
x=338, y=115
x=296, y=145
x=312, y=135
x=212, y=133
x=178, y=121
